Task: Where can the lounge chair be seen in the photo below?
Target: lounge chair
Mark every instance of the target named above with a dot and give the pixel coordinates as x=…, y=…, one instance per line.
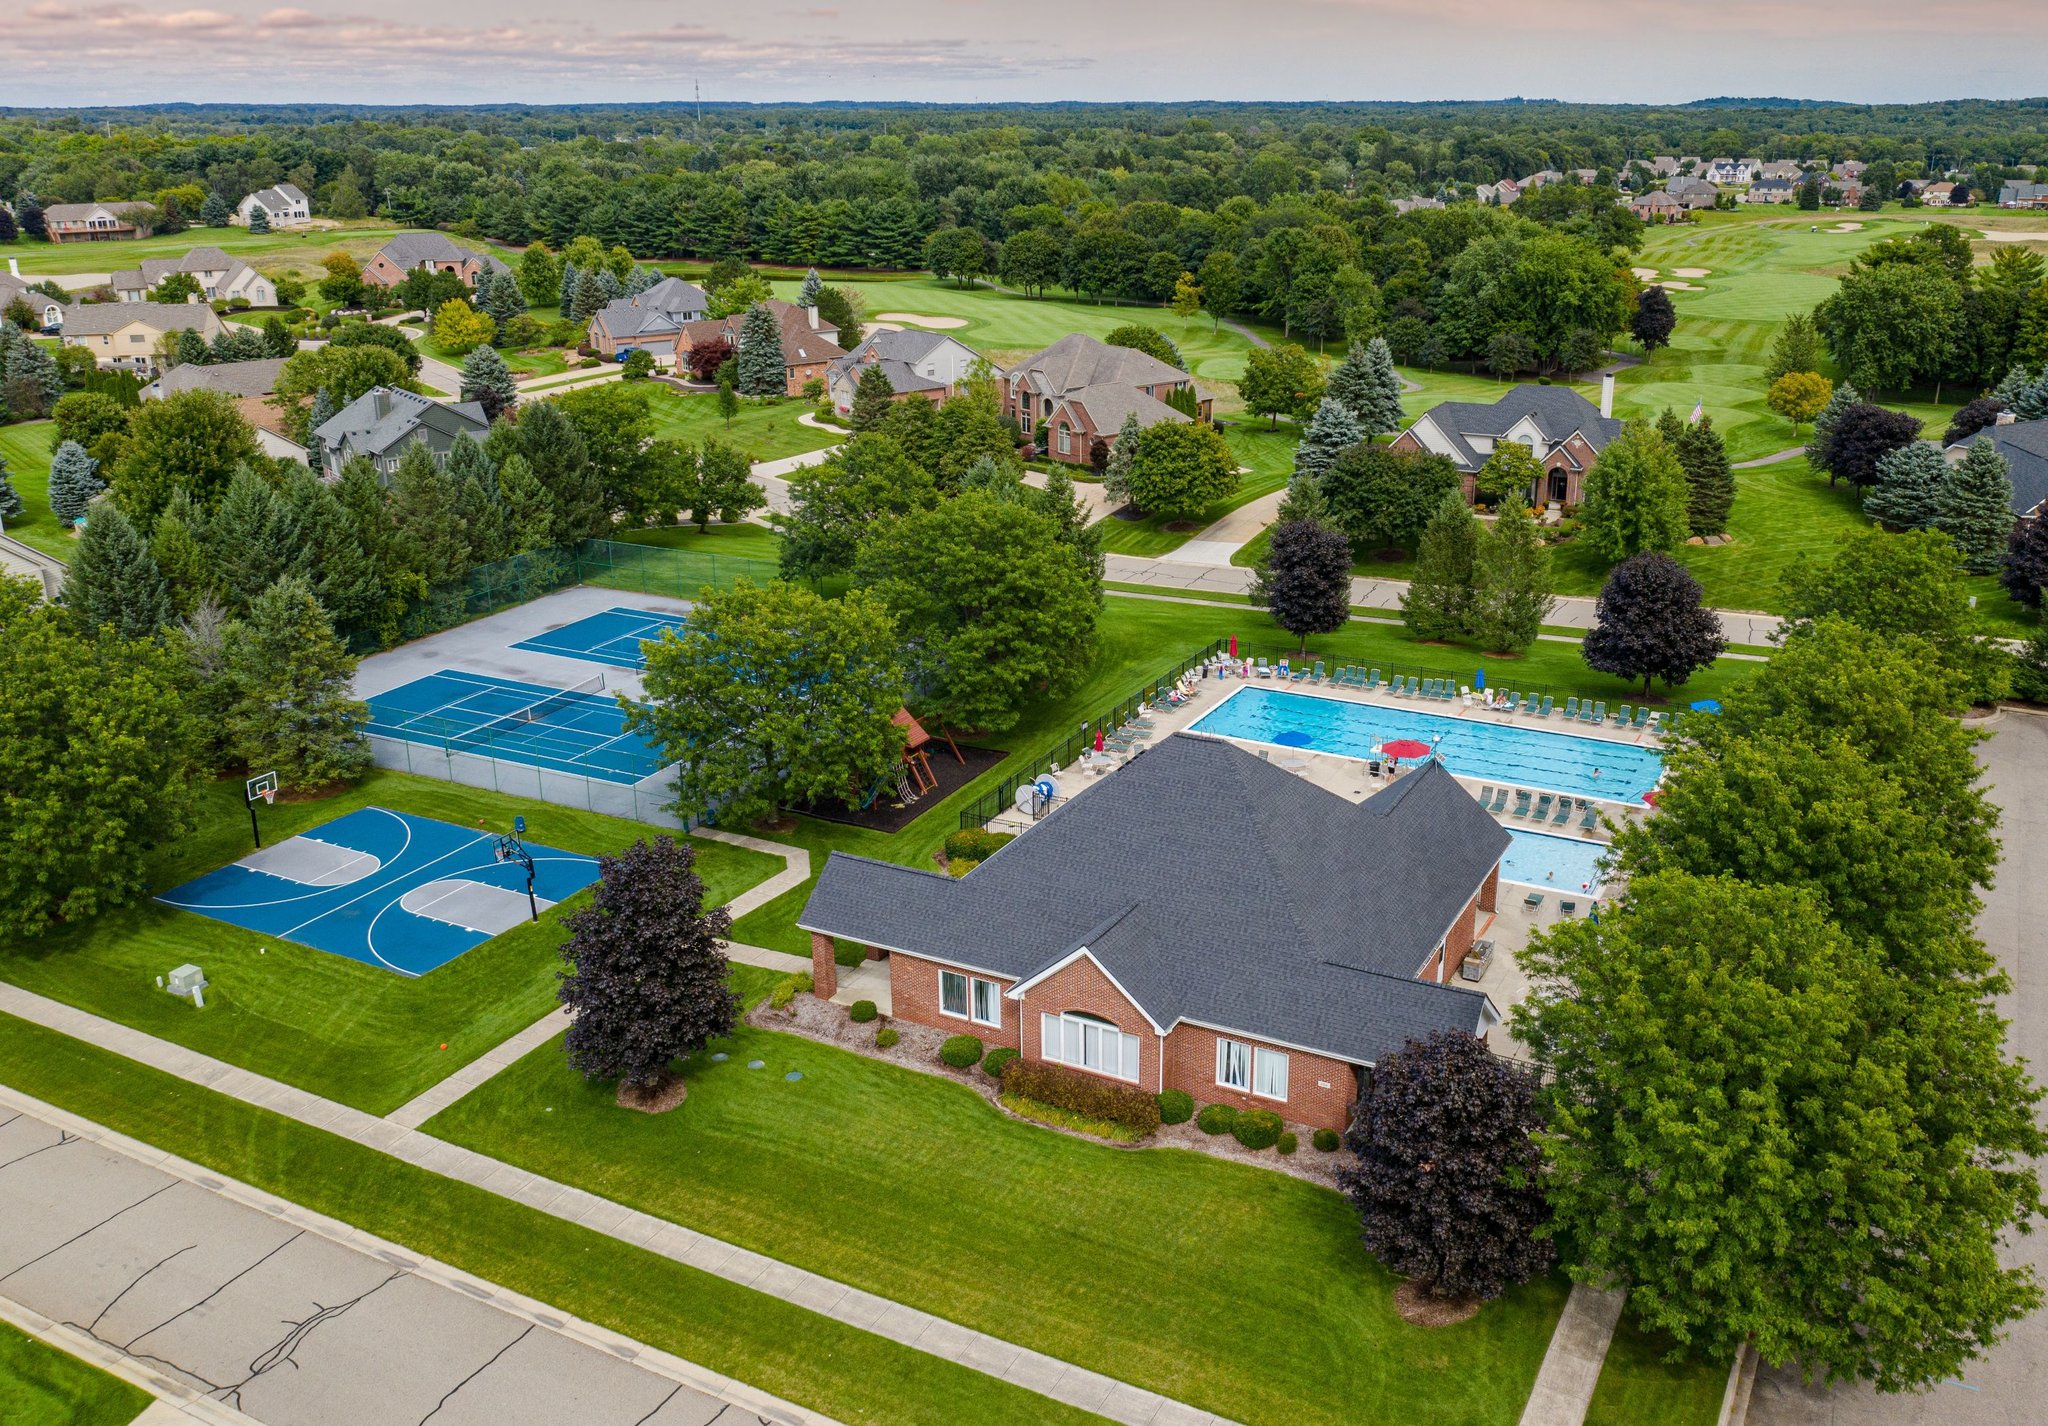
x=1548, y=704
x=1264, y=670
x=1590, y=818
x=1447, y=691
x=1532, y=704
x=1485, y=795
x=1571, y=709
x=1543, y=808
x=1372, y=680
x=1567, y=908
x=1521, y=803
x=1534, y=901
x=1600, y=713
x=1397, y=684
x=1500, y=801
x=1563, y=813
x=1642, y=717
x=1319, y=676
x=1434, y=689
x=1514, y=702
x=1622, y=716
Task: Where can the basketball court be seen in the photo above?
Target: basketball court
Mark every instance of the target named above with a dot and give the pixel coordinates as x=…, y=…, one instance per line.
x=579, y=730
x=612, y=637
x=386, y=888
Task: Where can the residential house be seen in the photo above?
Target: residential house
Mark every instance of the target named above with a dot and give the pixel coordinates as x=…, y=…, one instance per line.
x=1587, y=177
x=1694, y=193
x=407, y=252
x=221, y=278
x=1541, y=177
x=1409, y=205
x=926, y=365
x=1848, y=195
x=1561, y=428
x=2024, y=444
x=1772, y=190
x=648, y=322
x=246, y=383
x=1082, y=389
x=129, y=336
x=1937, y=195
x=384, y=420
x=1663, y=166
x=1503, y=193
x=1201, y=920
x=1785, y=168
x=1658, y=206
x=2023, y=195
x=49, y=310
x=97, y=222
x=285, y=205
x=1848, y=170
x=809, y=346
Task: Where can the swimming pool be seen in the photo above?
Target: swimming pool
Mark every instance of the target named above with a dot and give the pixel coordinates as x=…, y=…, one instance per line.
x=1488, y=748
x=1539, y=859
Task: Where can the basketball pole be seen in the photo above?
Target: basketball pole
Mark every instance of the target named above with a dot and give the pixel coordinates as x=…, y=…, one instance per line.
x=255, y=831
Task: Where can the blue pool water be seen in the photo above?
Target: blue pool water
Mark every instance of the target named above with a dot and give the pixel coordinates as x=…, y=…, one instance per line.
x=1487, y=747
x=1539, y=859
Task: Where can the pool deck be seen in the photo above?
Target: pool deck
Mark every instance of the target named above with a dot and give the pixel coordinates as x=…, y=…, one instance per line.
x=1508, y=927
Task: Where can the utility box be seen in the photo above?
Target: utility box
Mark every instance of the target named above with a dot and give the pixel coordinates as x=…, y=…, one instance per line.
x=187, y=981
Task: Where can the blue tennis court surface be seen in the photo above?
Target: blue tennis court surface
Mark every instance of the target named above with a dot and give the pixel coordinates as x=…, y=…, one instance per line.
x=386, y=888
x=611, y=637
x=578, y=730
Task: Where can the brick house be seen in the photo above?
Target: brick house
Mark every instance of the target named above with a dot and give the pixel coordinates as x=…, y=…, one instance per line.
x=1561, y=428
x=926, y=365
x=650, y=321
x=95, y=222
x=1202, y=921
x=407, y=252
x=1657, y=206
x=809, y=346
x=246, y=383
x=1082, y=389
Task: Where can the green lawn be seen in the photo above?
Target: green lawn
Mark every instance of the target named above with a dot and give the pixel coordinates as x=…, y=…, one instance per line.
x=1235, y=1289
x=294, y=252
x=41, y=1386
x=26, y=449
x=845, y=1373
x=1637, y=1385
x=541, y=361
x=765, y=430
x=349, y=1031
x=742, y=541
x=1266, y=453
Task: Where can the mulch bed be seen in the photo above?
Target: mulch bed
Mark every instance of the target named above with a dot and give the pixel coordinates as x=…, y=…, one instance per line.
x=918, y=1050
x=1419, y=1309
x=657, y=1098
x=886, y=814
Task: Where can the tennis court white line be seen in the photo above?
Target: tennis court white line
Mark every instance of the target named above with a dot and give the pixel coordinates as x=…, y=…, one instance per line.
x=205, y=906
x=370, y=934
x=385, y=885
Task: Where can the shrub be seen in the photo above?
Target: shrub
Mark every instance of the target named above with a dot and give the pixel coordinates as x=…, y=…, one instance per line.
x=1258, y=1128
x=1216, y=1119
x=974, y=844
x=886, y=1036
x=589, y=364
x=961, y=1052
x=1288, y=1142
x=997, y=1059
x=1327, y=1140
x=862, y=1011
x=787, y=989
x=1176, y=1106
x=959, y=867
x=1086, y=1095
x=848, y=953
x=637, y=366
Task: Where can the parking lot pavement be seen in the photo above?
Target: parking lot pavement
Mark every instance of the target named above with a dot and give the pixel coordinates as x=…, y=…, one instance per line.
x=2010, y=1386
x=286, y=1324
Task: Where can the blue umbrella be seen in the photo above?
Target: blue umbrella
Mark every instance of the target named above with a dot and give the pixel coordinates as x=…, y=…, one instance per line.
x=1707, y=705
x=1479, y=679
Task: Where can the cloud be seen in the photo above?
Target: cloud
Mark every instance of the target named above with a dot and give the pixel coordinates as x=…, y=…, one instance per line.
x=295, y=20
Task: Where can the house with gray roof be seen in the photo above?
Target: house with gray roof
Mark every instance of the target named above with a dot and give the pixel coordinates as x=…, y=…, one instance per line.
x=2024, y=444
x=384, y=420
x=650, y=321
x=98, y=222
x=49, y=311
x=1562, y=429
x=1082, y=389
x=928, y=365
x=1200, y=920
x=2023, y=195
x=408, y=252
x=221, y=278
x=129, y=336
x=285, y=205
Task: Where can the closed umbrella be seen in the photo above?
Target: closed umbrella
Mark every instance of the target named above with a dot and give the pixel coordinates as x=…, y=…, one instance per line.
x=1479, y=680
x=1233, y=646
x=1098, y=740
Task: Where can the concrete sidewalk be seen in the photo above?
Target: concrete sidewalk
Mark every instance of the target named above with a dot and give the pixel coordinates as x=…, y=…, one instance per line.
x=1571, y=1365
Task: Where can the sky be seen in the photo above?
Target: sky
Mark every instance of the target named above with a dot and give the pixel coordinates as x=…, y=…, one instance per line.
x=81, y=52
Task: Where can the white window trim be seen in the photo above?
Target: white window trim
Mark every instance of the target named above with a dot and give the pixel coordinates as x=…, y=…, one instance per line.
x=1260, y=1052
x=1127, y=1043
x=995, y=988
x=1222, y=1082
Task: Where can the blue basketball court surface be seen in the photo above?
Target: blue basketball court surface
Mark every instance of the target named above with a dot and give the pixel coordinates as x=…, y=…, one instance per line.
x=579, y=730
x=612, y=637
x=386, y=888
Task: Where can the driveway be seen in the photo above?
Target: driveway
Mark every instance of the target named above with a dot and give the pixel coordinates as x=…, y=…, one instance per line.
x=286, y=1325
x=2010, y=1386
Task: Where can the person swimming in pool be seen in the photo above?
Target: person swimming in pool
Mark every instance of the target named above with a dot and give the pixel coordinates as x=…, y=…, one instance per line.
x=1596, y=772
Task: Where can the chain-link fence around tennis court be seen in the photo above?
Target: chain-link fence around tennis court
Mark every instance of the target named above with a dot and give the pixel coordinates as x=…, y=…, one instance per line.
x=446, y=760
x=660, y=570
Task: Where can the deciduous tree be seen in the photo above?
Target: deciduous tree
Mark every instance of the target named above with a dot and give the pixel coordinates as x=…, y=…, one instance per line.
x=1180, y=469
x=1438, y=601
x=1280, y=381
x=1654, y=319
x=1651, y=623
x=1383, y=497
x=1861, y=436
x=1304, y=582
x=1635, y=496
x=1800, y=396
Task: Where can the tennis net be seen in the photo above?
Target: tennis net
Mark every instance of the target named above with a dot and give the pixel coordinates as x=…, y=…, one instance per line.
x=538, y=711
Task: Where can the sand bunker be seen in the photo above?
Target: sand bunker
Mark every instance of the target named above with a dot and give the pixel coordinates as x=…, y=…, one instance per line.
x=2006, y=235
x=1669, y=286
x=1645, y=274
x=1845, y=228
x=1690, y=271
x=940, y=323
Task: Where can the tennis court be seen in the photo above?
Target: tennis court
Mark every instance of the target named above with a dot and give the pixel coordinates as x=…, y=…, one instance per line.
x=385, y=888
x=579, y=730
x=611, y=637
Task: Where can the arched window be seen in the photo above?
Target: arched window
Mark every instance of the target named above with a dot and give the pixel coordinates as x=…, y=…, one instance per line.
x=1083, y=1041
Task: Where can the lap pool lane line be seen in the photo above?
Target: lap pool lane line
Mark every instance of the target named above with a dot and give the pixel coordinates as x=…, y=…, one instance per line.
x=252, y=1285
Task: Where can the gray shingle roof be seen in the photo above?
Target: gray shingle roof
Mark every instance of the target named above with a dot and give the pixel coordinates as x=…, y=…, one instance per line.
x=1557, y=411
x=236, y=378
x=662, y=310
x=408, y=250
x=364, y=429
x=1079, y=360
x=284, y=195
x=1214, y=887
x=1108, y=404
x=152, y=270
x=88, y=319
x=2024, y=444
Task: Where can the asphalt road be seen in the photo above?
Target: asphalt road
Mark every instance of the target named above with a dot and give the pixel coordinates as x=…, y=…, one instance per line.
x=288, y=1326
x=2010, y=1386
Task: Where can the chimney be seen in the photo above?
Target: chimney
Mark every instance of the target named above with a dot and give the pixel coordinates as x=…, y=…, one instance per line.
x=14, y=266
x=382, y=397
x=1607, y=394
x=2005, y=418
x=813, y=310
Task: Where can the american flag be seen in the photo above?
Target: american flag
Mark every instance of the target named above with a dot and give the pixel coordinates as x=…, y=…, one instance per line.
x=1698, y=410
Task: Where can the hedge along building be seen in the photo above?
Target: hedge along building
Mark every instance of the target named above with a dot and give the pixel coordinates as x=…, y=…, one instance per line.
x=1201, y=921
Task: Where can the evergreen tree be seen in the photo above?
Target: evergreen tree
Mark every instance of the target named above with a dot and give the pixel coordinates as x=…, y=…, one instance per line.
x=322, y=412
x=2007, y=392
x=482, y=517
x=177, y=544
x=188, y=348
x=114, y=583
x=1510, y=581
x=1305, y=579
x=1824, y=425
x=1123, y=453
x=486, y=379
x=808, y=296
x=609, y=287
x=1709, y=478
x=529, y=515
x=1329, y=431
x=1057, y=501
x=8, y=230
x=1909, y=487
x=589, y=298
x=565, y=301
x=259, y=220
x=1976, y=507
x=1438, y=601
x=10, y=498
x=560, y=461
x=293, y=705
x=341, y=565
x=278, y=340
x=30, y=367
x=74, y=481
x=29, y=214
x=1365, y=385
x=1303, y=500
x=761, y=371
x=252, y=540
x=640, y=279
x=429, y=538
x=215, y=212
x=873, y=395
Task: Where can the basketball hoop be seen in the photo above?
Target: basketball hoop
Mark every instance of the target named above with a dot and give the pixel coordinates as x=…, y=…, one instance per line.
x=263, y=786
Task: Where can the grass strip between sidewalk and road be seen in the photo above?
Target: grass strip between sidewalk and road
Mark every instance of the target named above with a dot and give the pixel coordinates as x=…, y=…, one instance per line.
x=770, y=1344
x=42, y=1386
